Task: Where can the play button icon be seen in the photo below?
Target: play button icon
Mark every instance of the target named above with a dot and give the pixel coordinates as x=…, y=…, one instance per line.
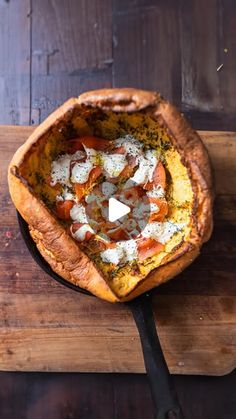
x=116, y=210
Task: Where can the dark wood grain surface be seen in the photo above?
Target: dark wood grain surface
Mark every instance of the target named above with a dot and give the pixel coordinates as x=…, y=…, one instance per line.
x=53, y=49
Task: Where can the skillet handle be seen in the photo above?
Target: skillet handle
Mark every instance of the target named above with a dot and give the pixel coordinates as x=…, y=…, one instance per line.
x=161, y=384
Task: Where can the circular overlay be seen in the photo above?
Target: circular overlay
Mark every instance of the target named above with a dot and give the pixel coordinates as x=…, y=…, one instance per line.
x=106, y=204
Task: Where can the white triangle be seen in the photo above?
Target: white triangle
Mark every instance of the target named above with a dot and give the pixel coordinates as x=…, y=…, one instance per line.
x=116, y=209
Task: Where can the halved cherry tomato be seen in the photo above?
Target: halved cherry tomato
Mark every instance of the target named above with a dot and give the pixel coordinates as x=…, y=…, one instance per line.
x=162, y=209
x=82, y=188
x=63, y=209
x=80, y=191
x=148, y=247
x=90, y=142
x=159, y=177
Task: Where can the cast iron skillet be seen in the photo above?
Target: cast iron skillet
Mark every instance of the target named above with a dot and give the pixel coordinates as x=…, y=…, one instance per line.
x=162, y=389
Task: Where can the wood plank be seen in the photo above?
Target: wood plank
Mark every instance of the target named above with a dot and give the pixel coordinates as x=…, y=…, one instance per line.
x=142, y=50
x=209, y=120
x=49, y=92
x=220, y=152
x=15, y=62
x=40, y=319
x=200, y=60
x=76, y=35
x=227, y=56
x=100, y=341
x=71, y=50
x=80, y=396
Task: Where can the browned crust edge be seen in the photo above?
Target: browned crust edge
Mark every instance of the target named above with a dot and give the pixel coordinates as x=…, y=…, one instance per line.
x=196, y=158
x=59, y=249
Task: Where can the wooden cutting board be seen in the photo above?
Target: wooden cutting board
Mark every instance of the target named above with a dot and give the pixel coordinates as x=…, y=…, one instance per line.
x=47, y=327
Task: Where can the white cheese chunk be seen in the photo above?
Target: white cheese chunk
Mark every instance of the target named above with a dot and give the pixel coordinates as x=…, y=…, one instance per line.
x=147, y=165
x=113, y=255
x=154, y=207
x=60, y=170
x=125, y=251
x=78, y=213
x=130, y=249
x=91, y=154
x=162, y=232
x=66, y=195
x=132, y=146
x=80, y=172
x=156, y=192
x=113, y=164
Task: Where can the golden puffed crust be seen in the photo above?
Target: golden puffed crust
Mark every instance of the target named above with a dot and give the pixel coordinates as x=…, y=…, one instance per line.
x=60, y=250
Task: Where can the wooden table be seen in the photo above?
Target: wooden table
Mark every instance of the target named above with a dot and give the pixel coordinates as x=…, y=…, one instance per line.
x=51, y=50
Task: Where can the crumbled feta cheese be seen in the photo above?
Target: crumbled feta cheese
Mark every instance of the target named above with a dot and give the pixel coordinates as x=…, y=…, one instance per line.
x=130, y=249
x=60, y=168
x=162, y=232
x=113, y=255
x=113, y=163
x=154, y=207
x=132, y=146
x=125, y=251
x=66, y=195
x=78, y=213
x=156, y=192
x=147, y=165
x=91, y=154
x=80, y=172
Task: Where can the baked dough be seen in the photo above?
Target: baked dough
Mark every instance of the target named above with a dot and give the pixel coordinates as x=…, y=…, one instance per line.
x=109, y=113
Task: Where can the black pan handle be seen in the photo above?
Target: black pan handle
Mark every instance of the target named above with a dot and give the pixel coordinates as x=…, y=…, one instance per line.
x=161, y=384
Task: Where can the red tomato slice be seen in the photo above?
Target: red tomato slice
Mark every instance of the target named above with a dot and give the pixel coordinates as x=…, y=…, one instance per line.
x=94, y=174
x=82, y=188
x=80, y=191
x=128, y=171
x=159, y=177
x=90, y=142
x=63, y=209
x=163, y=209
x=148, y=247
